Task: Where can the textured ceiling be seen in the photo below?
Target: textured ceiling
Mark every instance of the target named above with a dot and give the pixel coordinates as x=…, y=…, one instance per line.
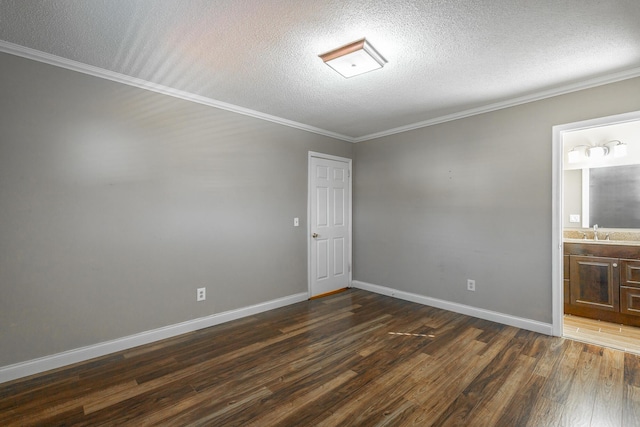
x=444, y=56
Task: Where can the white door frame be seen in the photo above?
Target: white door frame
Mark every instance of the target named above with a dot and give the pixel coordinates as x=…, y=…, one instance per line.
x=557, y=279
x=310, y=192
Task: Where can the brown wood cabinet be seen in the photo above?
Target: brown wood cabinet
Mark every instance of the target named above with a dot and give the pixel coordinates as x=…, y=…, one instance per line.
x=630, y=301
x=602, y=281
x=630, y=273
x=595, y=282
x=630, y=287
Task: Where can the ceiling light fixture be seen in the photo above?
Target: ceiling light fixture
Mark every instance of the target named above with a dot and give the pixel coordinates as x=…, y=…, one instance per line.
x=355, y=58
x=581, y=152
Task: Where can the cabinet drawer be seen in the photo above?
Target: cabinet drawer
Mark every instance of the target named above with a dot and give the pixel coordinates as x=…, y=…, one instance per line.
x=630, y=273
x=630, y=300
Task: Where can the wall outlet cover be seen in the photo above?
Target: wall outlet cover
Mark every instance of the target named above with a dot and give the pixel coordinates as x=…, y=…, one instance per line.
x=574, y=218
x=471, y=285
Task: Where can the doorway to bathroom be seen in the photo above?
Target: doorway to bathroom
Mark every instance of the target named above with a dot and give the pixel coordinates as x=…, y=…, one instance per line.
x=596, y=231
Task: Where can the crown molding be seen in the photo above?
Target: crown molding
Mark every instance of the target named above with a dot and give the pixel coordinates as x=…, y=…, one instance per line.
x=47, y=58
x=80, y=67
x=537, y=96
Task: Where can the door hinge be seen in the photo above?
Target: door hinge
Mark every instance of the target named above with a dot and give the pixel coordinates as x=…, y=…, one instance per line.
x=349, y=268
x=349, y=173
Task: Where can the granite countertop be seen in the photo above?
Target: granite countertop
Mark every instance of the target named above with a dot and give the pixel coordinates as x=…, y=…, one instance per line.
x=616, y=236
x=603, y=242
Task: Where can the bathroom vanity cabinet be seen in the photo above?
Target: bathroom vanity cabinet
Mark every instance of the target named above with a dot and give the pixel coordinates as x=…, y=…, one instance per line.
x=602, y=281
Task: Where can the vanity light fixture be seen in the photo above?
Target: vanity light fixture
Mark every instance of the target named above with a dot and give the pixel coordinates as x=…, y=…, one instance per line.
x=596, y=152
x=355, y=58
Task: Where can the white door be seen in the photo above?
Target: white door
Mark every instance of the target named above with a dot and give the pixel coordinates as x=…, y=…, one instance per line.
x=329, y=224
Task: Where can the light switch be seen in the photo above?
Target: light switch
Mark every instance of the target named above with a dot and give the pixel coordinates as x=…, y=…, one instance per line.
x=296, y=222
x=574, y=218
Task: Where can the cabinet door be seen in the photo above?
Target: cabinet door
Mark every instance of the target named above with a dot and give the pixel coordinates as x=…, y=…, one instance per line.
x=595, y=282
x=630, y=273
x=630, y=300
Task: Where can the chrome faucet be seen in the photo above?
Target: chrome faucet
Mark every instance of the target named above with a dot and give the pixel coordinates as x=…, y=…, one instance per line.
x=595, y=232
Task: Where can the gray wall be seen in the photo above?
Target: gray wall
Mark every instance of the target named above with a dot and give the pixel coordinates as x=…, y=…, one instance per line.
x=572, y=197
x=117, y=203
x=470, y=199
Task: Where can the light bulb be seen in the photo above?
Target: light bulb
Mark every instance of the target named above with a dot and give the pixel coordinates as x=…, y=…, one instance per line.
x=620, y=150
x=574, y=156
x=597, y=152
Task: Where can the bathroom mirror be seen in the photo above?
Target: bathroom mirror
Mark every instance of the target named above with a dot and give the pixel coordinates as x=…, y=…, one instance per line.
x=602, y=190
x=612, y=196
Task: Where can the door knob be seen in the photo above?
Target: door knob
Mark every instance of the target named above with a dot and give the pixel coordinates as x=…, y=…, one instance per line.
x=615, y=265
x=314, y=235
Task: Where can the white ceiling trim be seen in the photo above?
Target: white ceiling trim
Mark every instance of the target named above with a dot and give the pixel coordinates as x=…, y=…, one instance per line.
x=80, y=67
x=587, y=84
x=36, y=55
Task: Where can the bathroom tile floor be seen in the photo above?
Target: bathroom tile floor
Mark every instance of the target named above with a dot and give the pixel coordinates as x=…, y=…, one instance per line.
x=621, y=337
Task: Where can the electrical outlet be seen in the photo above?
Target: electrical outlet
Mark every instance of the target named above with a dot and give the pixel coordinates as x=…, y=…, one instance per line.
x=296, y=222
x=201, y=294
x=574, y=218
x=471, y=285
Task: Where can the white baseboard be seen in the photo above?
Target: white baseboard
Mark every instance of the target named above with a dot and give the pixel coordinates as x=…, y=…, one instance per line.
x=494, y=316
x=24, y=369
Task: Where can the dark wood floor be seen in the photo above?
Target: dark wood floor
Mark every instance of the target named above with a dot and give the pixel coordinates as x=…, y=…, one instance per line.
x=354, y=358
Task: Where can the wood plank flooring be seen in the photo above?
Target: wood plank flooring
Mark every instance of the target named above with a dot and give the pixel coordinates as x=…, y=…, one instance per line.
x=621, y=337
x=350, y=359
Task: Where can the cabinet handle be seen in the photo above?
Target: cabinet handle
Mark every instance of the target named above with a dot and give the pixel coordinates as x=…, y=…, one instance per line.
x=615, y=264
